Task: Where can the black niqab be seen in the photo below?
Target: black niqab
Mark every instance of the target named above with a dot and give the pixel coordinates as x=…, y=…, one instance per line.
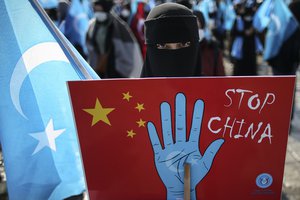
x=171, y=23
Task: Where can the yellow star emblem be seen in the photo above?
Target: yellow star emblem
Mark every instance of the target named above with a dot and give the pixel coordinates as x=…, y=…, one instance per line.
x=140, y=107
x=141, y=123
x=99, y=113
x=131, y=133
x=126, y=96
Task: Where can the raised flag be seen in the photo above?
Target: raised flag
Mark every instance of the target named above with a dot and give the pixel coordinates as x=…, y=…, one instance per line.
x=37, y=132
x=88, y=8
x=281, y=24
x=136, y=136
x=261, y=18
x=229, y=15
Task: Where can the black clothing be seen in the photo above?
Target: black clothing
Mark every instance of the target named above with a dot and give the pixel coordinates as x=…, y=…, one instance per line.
x=245, y=66
x=295, y=8
x=171, y=23
x=287, y=60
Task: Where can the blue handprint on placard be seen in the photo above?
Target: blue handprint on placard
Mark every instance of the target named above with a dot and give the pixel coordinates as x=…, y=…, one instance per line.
x=170, y=160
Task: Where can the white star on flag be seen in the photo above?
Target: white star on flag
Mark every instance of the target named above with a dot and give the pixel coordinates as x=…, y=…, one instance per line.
x=47, y=137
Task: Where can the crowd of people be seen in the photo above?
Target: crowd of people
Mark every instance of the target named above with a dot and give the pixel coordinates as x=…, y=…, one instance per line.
x=115, y=45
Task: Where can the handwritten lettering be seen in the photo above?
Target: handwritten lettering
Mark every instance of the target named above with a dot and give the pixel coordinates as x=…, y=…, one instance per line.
x=236, y=129
x=253, y=100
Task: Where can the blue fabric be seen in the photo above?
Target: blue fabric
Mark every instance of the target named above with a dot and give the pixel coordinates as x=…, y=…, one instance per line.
x=261, y=18
x=229, y=15
x=237, y=46
x=282, y=25
x=203, y=6
x=236, y=51
x=34, y=101
x=48, y=4
x=88, y=9
x=76, y=25
x=258, y=45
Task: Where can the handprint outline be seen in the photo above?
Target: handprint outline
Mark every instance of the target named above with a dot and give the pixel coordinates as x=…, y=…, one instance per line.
x=170, y=160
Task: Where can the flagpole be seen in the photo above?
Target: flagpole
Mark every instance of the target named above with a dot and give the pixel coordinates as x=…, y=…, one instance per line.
x=187, y=181
x=82, y=69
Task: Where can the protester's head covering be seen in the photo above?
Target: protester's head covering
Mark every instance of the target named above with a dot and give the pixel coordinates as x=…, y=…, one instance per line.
x=200, y=17
x=62, y=9
x=106, y=4
x=186, y=3
x=171, y=23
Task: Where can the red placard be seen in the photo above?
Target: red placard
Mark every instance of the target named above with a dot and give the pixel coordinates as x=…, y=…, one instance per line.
x=136, y=135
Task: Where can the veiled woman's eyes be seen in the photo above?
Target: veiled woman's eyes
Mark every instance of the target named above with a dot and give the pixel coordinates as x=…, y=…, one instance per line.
x=177, y=45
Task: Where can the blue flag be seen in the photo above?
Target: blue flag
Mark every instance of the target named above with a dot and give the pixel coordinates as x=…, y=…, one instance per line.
x=48, y=4
x=37, y=132
x=76, y=25
x=203, y=6
x=282, y=25
x=88, y=8
x=261, y=18
x=229, y=15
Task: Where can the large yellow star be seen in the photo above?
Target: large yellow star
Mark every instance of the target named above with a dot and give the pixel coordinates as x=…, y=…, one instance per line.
x=126, y=96
x=140, y=107
x=99, y=113
x=141, y=123
x=131, y=133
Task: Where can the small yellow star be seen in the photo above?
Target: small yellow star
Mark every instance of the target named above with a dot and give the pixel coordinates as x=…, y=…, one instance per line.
x=126, y=96
x=140, y=107
x=131, y=133
x=99, y=113
x=141, y=123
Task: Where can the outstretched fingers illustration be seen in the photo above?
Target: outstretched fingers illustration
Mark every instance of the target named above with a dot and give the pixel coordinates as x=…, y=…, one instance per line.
x=171, y=157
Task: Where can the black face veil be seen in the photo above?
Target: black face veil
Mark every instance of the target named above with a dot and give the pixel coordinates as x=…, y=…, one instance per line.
x=171, y=23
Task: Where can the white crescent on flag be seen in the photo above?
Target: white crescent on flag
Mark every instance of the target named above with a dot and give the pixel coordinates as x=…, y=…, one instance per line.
x=32, y=58
x=277, y=23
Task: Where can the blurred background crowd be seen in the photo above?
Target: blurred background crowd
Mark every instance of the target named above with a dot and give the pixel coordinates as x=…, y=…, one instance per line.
x=107, y=32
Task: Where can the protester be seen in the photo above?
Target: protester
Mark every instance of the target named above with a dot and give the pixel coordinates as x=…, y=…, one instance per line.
x=172, y=40
x=244, y=45
x=113, y=49
x=219, y=29
x=137, y=25
x=52, y=13
x=286, y=62
x=212, y=56
x=62, y=10
x=125, y=11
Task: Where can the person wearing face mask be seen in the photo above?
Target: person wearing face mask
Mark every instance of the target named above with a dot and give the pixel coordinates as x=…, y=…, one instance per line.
x=172, y=40
x=113, y=49
x=212, y=57
x=125, y=12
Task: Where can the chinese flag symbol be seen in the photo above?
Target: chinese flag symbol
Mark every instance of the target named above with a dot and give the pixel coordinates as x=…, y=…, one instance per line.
x=103, y=114
x=117, y=152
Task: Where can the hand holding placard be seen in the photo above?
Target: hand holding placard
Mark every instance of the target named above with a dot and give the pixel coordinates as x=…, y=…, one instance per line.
x=170, y=160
